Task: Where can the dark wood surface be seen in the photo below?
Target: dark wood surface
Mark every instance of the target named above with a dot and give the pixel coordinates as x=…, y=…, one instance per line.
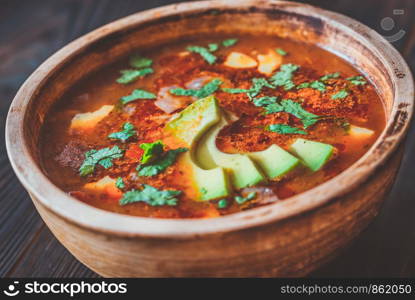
x=31, y=30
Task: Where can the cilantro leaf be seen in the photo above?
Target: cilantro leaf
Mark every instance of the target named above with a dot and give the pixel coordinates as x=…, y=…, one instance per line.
x=137, y=94
x=295, y=109
x=137, y=61
x=222, y=203
x=281, y=52
x=127, y=132
x=151, y=196
x=102, y=157
x=340, y=95
x=317, y=85
x=205, y=53
x=128, y=76
x=254, y=90
x=203, y=92
x=357, y=80
x=229, y=42
x=330, y=76
x=284, y=76
x=152, y=151
x=242, y=200
x=285, y=129
x=120, y=183
x=159, y=165
x=213, y=47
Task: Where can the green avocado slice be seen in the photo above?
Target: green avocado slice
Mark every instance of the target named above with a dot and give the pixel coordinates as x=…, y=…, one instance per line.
x=313, y=154
x=274, y=161
x=189, y=126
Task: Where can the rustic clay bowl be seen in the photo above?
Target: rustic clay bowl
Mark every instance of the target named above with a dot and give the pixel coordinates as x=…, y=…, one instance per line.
x=288, y=238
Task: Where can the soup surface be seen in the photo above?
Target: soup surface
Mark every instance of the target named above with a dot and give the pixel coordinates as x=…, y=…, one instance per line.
x=210, y=126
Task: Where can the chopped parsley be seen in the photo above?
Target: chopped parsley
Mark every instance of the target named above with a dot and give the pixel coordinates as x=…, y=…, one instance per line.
x=137, y=61
x=357, y=80
x=317, y=85
x=284, y=76
x=120, y=183
x=285, y=129
x=229, y=42
x=137, y=94
x=330, y=76
x=152, y=151
x=161, y=163
x=151, y=196
x=254, y=90
x=241, y=200
x=213, y=47
x=203, y=92
x=281, y=52
x=223, y=203
x=295, y=109
x=102, y=157
x=127, y=132
x=204, y=52
x=128, y=76
x=340, y=95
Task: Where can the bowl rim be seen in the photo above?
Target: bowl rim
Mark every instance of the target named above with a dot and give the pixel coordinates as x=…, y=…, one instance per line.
x=91, y=218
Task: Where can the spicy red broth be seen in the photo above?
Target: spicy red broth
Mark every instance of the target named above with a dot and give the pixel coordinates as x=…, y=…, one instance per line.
x=119, y=142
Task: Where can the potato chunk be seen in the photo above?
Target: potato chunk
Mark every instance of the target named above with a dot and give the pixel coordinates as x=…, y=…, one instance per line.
x=90, y=119
x=105, y=185
x=239, y=60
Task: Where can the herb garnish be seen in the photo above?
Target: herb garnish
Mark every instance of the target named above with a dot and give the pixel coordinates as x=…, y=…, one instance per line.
x=242, y=200
x=138, y=61
x=137, y=94
x=294, y=108
x=284, y=76
x=357, y=80
x=151, y=196
x=127, y=132
x=229, y=42
x=155, y=160
x=213, y=47
x=120, y=183
x=152, y=151
x=204, y=52
x=102, y=157
x=330, y=76
x=340, y=95
x=285, y=129
x=131, y=75
x=317, y=85
x=203, y=92
x=281, y=52
x=264, y=101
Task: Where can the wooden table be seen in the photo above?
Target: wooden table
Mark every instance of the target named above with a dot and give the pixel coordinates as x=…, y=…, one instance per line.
x=30, y=31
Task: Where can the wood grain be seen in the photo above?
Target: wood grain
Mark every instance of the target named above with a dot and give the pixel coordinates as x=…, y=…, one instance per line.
x=32, y=30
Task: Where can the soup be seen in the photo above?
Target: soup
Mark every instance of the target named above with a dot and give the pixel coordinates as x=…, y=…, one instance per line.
x=210, y=126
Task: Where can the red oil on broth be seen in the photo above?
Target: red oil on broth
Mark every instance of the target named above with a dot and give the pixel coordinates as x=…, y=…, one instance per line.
x=180, y=132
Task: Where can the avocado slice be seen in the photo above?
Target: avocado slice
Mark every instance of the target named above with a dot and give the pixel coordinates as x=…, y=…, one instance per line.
x=211, y=184
x=242, y=170
x=194, y=120
x=313, y=154
x=189, y=126
x=274, y=161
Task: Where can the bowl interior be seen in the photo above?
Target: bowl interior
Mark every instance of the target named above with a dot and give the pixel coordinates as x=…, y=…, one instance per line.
x=359, y=45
